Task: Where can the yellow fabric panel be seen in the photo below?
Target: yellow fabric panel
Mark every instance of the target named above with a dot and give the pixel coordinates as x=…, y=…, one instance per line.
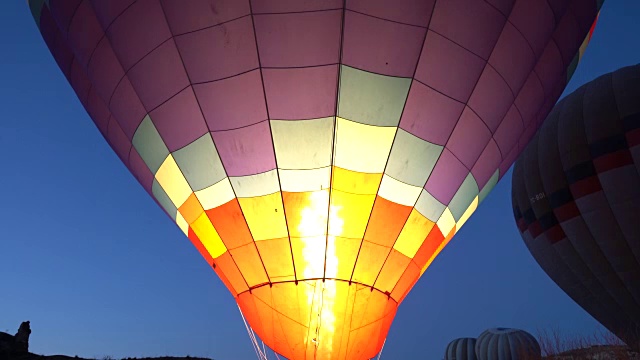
x=173, y=182
x=305, y=180
x=306, y=213
x=415, y=230
x=208, y=236
x=216, y=194
x=191, y=209
x=467, y=213
x=363, y=148
x=350, y=214
x=265, y=216
x=250, y=265
x=355, y=182
x=308, y=256
x=341, y=265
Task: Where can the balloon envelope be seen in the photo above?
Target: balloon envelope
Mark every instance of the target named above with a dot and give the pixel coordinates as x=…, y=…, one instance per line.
x=507, y=344
x=318, y=154
x=461, y=349
x=576, y=199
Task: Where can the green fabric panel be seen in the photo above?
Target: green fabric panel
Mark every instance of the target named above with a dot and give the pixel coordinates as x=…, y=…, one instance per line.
x=412, y=159
x=573, y=66
x=463, y=197
x=429, y=206
x=36, y=9
x=370, y=98
x=149, y=144
x=163, y=199
x=200, y=163
x=489, y=186
x=303, y=144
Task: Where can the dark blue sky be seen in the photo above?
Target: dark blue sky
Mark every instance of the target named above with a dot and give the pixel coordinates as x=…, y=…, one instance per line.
x=99, y=269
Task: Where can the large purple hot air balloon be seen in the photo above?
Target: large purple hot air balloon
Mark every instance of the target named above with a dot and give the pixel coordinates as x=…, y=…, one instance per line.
x=318, y=153
x=576, y=199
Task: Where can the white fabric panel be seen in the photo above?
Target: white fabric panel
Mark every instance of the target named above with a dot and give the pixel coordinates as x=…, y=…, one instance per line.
x=429, y=206
x=255, y=185
x=398, y=192
x=412, y=159
x=303, y=144
x=363, y=148
x=305, y=180
x=215, y=195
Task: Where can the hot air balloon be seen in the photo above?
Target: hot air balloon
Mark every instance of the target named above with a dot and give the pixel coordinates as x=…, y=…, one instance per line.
x=318, y=154
x=576, y=199
x=507, y=344
x=461, y=349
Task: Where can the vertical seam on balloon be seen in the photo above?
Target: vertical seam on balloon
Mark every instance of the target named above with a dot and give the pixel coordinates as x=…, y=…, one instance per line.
x=172, y=38
x=397, y=127
x=275, y=157
x=333, y=138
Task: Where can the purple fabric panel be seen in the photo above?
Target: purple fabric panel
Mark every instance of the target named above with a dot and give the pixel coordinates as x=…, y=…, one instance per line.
x=107, y=11
x=79, y=81
x=477, y=24
x=559, y=7
x=491, y=98
x=234, y=102
x=504, y=6
x=62, y=11
x=179, y=120
x=381, y=46
x=84, y=33
x=98, y=111
x=526, y=136
x=127, y=108
x=430, y=115
x=281, y=6
x=186, y=16
x=513, y=58
x=530, y=97
x=294, y=40
x=220, y=51
x=534, y=20
x=305, y=93
x=448, y=68
x=119, y=141
x=584, y=12
x=246, y=151
x=507, y=134
x=104, y=70
x=139, y=30
x=549, y=67
x=487, y=164
x=415, y=12
x=508, y=160
x=446, y=178
x=140, y=170
x=159, y=76
x=54, y=40
x=469, y=138
x=568, y=37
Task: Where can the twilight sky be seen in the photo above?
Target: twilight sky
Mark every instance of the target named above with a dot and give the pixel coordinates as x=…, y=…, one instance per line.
x=100, y=270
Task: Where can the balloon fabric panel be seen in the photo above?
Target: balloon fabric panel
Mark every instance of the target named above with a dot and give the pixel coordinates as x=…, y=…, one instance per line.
x=325, y=159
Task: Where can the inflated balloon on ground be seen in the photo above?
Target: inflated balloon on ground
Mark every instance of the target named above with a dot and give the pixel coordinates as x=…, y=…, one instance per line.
x=318, y=154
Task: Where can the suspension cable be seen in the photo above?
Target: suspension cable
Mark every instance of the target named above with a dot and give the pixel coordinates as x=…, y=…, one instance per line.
x=256, y=347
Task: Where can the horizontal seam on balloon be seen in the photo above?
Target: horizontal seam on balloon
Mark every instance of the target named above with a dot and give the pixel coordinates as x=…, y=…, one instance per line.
x=297, y=12
x=316, y=279
x=389, y=20
x=209, y=26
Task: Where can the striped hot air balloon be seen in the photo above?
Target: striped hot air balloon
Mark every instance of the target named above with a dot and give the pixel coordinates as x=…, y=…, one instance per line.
x=507, y=344
x=461, y=349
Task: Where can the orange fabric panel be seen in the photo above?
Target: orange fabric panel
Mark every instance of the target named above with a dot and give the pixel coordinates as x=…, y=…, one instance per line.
x=346, y=251
x=309, y=256
x=191, y=209
x=229, y=222
x=386, y=222
x=406, y=282
x=350, y=214
x=276, y=256
x=323, y=320
x=391, y=272
x=428, y=247
x=439, y=249
x=355, y=182
x=306, y=212
x=250, y=264
x=228, y=267
x=370, y=261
